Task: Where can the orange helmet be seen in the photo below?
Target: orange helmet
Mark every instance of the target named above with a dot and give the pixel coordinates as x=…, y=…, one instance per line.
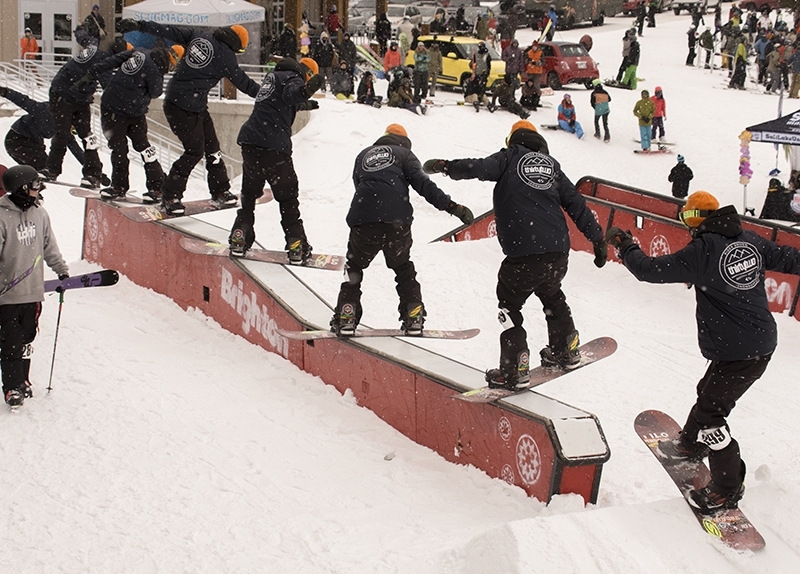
x=698, y=206
x=311, y=66
x=244, y=37
x=397, y=130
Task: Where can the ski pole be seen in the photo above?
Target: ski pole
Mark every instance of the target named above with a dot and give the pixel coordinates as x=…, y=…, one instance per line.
x=55, y=341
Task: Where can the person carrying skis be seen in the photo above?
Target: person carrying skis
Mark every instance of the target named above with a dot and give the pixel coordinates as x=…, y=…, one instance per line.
x=660, y=114
x=736, y=330
x=644, y=109
x=266, y=142
x=209, y=57
x=600, y=100
x=680, y=176
x=567, y=119
x=25, y=237
x=380, y=219
x=531, y=192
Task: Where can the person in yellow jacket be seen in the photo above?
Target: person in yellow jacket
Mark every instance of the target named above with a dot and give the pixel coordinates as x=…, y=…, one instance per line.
x=739, y=65
x=644, y=110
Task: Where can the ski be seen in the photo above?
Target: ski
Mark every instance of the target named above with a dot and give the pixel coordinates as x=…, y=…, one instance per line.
x=730, y=526
x=96, y=279
x=21, y=277
x=591, y=352
x=317, y=261
x=426, y=334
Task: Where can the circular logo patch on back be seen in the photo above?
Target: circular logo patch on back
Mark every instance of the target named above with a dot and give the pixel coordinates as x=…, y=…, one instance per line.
x=740, y=265
x=86, y=54
x=199, y=54
x=133, y=64
x=377, y=158
x=537, y=170
x=267, y=87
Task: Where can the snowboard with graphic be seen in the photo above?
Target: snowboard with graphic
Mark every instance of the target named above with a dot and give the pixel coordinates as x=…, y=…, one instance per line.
x=426, y=334
x=317, y=260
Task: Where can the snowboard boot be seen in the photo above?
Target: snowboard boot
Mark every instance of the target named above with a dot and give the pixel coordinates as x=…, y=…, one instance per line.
x=477, y=106
x=298, y=251
x=413, y=319
x=14, y=399
x=511, y=380
x=224, y=199
x=567, y=358
x=678, y=450
x=597, y=135
x=345, y=321
x=173, y=206
x=111, y=193
x=708, y=499
x=27, y=390
x=242, y=234
x=151, y=197
x=46, y=175
x=90, y=182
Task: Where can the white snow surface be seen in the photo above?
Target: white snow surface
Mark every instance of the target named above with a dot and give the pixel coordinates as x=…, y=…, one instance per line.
x=169, y=445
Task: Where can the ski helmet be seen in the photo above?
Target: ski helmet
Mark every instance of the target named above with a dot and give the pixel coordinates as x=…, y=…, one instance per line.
x=18, y=181
x=698, y=206
x=397, y=130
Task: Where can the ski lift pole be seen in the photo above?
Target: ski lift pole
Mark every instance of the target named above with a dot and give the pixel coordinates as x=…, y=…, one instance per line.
x=55, y=341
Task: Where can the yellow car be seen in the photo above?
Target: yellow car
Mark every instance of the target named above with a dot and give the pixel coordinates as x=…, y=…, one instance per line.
x=456, y=58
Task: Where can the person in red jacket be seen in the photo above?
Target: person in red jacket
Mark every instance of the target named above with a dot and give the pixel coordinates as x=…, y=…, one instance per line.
x=391, y=59
x=28, y=46
x=661, y=114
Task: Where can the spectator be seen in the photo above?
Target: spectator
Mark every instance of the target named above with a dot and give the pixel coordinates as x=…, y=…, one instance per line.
x=95, y=25
x=434, y=65
x=287, y=42
x=28, y=46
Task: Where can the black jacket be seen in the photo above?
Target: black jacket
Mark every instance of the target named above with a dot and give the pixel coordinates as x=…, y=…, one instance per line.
x=131, y=88
x=727, y=267
x=382, y=175
x=680, y=176
x=270, y=124
x=205, y=62
x=74, y=70
x=530, y=197
x=37, y=125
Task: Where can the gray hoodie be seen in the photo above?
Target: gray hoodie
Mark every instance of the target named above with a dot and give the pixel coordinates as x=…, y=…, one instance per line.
x=24, y=235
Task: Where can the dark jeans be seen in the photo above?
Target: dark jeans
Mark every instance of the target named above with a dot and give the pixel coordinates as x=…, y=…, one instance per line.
x=66, y=116
x=364, y=243
x=18, y=326
x=420, y=86
x=605, y=125
x=518, y=279
x=658, y=126
x=723, y=384
x=199, y=138
x=117, y=130
x=265, y=165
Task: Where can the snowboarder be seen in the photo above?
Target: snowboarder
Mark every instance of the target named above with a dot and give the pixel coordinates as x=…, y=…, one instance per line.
x=641, y=15
x=567, y=118
x=630, y=36
x=265, y=139
x=531, y=193
x=366, y=91
x=210, y=56
x=736, y=330
x=644, y=109
x=25, y=235
x=380, y=219
x=600, y=100
x=680, y=176
x=629, y=79
x=503, y=93
x=660, y=114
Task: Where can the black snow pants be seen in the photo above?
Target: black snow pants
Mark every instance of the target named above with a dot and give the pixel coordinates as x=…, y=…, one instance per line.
x=18, y=326
x=117, y=130
x=66, y=116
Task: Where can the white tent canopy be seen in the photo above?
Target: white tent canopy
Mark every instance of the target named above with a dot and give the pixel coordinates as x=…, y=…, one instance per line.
x=213, y=13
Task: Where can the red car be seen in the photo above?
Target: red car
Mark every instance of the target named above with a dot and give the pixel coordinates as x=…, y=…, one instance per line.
x=567, y=63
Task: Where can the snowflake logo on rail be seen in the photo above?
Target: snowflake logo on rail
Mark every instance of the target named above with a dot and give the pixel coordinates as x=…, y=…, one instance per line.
x=537, y=170
x=504, y=428
x=92, y=225
x=740, y=265
x=199, y=54
x=492, y=230
x=378, y=158
x=507, y=474
x=659, y=246
x=529, y=460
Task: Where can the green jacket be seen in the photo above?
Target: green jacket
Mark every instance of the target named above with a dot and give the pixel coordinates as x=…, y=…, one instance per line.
x=644, y=110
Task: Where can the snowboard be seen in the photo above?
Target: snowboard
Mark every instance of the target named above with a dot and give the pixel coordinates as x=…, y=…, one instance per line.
x=426, y=334
x=615, y=84
x=553, y=127
x=96, y=279
x=656, y=142
x=591, y=352
x=95, y=194
x=730, y=526
x=652, y=151
x=317, y=261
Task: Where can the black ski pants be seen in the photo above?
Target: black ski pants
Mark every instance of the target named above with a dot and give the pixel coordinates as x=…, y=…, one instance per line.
x=597, y=119
x=723, y=384
x=67, y=115
x=117, y=130
x=196, y=132
x=363, y=245
x=622, y=67
x=25, y=151
x=518, y=279
x=262, y=165
x=18, y=326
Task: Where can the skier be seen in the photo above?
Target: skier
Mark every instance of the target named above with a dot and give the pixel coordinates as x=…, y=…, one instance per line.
x=600, y=100
x=660, y=114
x=707, y=43
x=567, y=119
x=692, y=42
x=532, y=192
x=740, y=64
x=680, y=176
x=265, y=139
x=210, y=56
x=380, y=219
x=736, y=331
x=25, y=235
x=123, y=113
x=644, y=109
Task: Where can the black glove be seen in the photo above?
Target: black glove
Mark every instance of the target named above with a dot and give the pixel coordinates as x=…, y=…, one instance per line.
x=81, y=84
x=600, y=253
x=646, y=119
x=128, y=25
x=435, y=166
x=61, y=277
x=462, y=212
x=3, y=91
x=309, y=105
x=313, y=84
x=618, y=238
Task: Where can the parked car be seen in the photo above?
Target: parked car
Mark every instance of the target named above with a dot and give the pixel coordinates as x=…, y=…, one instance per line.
x=629, y=7
x=567, y=63
x=456, y=59
x=356, y=22
x=395, y=13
